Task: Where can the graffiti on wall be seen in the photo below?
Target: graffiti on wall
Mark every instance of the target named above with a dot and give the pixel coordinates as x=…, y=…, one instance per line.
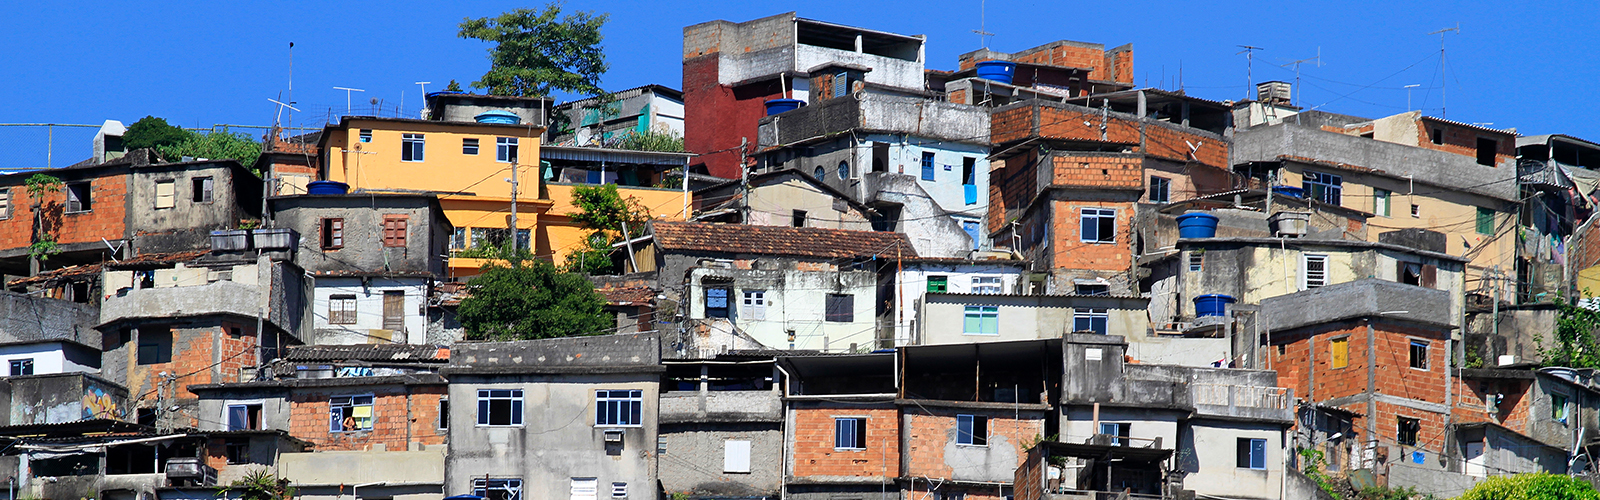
x=98, y=404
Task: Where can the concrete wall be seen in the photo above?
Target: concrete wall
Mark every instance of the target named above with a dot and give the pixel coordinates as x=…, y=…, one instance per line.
x=796, y=295
x=427, y=232
x=411, y=475
x=187, y=225
x=275, y=408
x=774, y=205
x=1025, y=317
x=693, y=457
x=369, y=294
x=913, y=283
x=464, y=108
x=933, y=450
x=26, y=318
x=1208, y=452
x=61, y=398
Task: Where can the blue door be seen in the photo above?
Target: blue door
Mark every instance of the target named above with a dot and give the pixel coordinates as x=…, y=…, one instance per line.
x=972, y=230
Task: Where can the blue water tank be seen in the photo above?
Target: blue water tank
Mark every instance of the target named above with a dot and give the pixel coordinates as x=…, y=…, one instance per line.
x=1197, y=225
x=498, y=116
x=775, y=106
x=1212, y=305
x=1000, y=71
x=1289, y=191
x=327, y=187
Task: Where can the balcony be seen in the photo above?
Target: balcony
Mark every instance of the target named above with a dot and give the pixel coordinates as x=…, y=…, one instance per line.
x=877, y=113
x=720, y=406
x=1239, y=401
x=221, y=297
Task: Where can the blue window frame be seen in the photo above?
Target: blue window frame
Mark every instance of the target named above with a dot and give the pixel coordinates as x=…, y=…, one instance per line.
x=1252, y=454
x=981, y=320
x=618, y=408
x=1087, y=320
x=927, y=166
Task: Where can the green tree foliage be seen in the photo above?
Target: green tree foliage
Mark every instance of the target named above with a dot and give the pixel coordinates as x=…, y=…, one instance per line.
x=453, y=86
x=150, y=132
x=1532, y=487
x=214, y=145
x=44, y=244
x=530, y=299
x=537, y=52
x=1573, y=344
x=651, y=141
x=603, y=211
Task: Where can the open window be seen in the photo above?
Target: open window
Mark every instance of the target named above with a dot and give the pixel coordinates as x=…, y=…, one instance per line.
x=1486, y=150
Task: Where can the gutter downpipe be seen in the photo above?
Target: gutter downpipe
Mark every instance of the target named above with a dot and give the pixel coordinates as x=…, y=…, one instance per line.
x=783, y=476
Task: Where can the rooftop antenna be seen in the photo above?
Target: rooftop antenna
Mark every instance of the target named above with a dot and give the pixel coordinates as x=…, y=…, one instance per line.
x=281, y=105
x=1249, y=67
x=1408, y=95
x=982, y=21
x=291, y=84
x=424, y=86
x=347, y=91
x=1296, y=89
x=1442, y=76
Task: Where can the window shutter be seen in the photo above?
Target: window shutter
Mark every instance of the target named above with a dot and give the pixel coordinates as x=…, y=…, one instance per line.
x=165, y=194
x=1430, y=275
x=736, y=456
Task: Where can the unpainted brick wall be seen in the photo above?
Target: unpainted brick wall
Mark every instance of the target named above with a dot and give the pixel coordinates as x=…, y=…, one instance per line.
x=1083, y=124
x=1464, y=141
x=1098, y=171
x=1068, y=251
x=928, y=433
x=309, y=417
x=105, y=219
x=814, y=454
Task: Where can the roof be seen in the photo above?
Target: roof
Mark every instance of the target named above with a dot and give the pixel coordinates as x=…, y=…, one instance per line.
x=779, y=240
x=300, y=383
x=66, y=273
x=1274, y=242
x=344, y=123
x=628, y=296
x=447, y=93
x=1127, y=453
x=613, y=155
x=73, y=427
x=662, y=90
x=1480, y=128
x=368, y=352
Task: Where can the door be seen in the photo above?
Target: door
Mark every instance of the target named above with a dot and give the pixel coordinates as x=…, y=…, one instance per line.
x=394, y=310
x=1475, y=460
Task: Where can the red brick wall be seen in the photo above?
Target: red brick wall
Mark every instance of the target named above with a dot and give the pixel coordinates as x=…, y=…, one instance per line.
x=1172, y=144
x=1095, y=171
x=1069, y=252
x=1083, y=124
x=716, y=116
x=928, y=433
x=1070, y=56
x=309, y=417
x=1331, y=382
x=1122, y=66
x=1012, y=186
x=814, y=454
x=108, y=206
x=958, y=97
x=1464, y=141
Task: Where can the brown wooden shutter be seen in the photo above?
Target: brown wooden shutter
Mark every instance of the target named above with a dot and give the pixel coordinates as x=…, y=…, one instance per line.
x=394, y=310
x=1430, y=275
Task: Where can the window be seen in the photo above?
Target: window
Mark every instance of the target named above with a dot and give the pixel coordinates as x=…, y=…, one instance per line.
x=1423, y=275
x=619, y=490
x=1558, y=407
x=237, y=450
x=736, y=456
x=1090, y=320
x=981, y=320
x=350, y=413
x=1486, y=151
x=820, y=173
x=505, y=149
x=1407, y=431
x=927, y=166
x=1326, y=188
x=1419, y=354
x=716, y=302
x=618, y=408
x=332, y=234
x=972, y=430
x=1339, y=352
x=989, y=285
x=1091, y=289
x=938, y=284
x=797, y=218
x=1197, y=262
x=969, y=180
x=444, y=414
x=1416, y=211
x=1160, y=190
x=244, y=417
x=1116, y=431
x=755, y=305
x=469, y=146
x=166, y=194
x=499, y=407
x=844, y=170
x=22, y=367
x=504, y=489
x=1313, y=271
x=394, y=230
x=155, y=345
x=78, y=197
x=411, y=147
x=5, y=203
x=1485, y=221
x=1380, y=202
x=585, y=488
x=1436, y=136
x=1252, y=453
x=841, y=308
x=342, y=310
x=1099, y=225
x=366, y=135
x=201, y=189
x=850, y=433
x=458, y=239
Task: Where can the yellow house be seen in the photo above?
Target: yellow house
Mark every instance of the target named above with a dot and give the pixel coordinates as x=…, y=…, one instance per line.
x=470, y=166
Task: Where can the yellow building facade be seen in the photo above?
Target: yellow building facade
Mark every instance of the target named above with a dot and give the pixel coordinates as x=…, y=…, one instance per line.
x=470, y=167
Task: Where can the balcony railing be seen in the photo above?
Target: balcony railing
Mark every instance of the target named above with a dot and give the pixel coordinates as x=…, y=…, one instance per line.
x=1240, y=401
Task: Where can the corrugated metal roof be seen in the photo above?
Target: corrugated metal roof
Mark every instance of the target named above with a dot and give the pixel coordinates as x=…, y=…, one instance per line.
x=609, y=155
x=368, y=352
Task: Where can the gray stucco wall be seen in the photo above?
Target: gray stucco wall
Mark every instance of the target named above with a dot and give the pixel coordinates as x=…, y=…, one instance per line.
x=1438, y=168
x=61, y=398
x=275, y=408
x=25, y=317
x=187, y=225
x=692, y=460
x=427, y=232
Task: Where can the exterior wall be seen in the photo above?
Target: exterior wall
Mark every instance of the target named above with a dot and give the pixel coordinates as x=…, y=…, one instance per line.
x=1025, y=317
x=276, y=410
x=404, y=417
x=774, y=205
x=187, y=225
x=931, y=449
x=62, y=398
x=427, y=233
x=27, y=318
x=813, y=458
x=378, y=165
x=693, y=460
x=369, y=294
x=1145, y=424
x=913, y=283
x=107, y=217
x=1076, y=123
x=558, y=440
x=1413, y=129
x=796, y=295
x=1251, y=272
x=1209, y=454
x=553, y=233
x=203, y=347
x=325, y=475
x=51, y=357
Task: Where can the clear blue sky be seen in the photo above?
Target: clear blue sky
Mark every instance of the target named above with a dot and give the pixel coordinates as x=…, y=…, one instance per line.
x=1530, y=65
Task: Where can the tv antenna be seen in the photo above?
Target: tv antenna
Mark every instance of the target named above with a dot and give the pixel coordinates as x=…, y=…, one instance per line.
x=1442, y=76
x=1296, y=89
x=1408, y=95
x=1249, y=67
x=347, y=91
x=982, y=21
x=281, y=105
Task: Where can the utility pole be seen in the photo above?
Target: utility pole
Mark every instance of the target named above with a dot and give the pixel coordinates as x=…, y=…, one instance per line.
x=513, y=181
x=1442, y=76
x=744, y=180
x=1249, y=67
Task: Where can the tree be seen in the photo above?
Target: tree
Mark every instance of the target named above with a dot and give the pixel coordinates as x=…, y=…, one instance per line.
x=258, y=484
x=44, y=244
x=529, y=299
x=1539, y=486
x=214, y=145
x=453, y=86
x=651, y=141
x=150, y=132
x=603, y=211
x=1573, y=344
x=536, y=53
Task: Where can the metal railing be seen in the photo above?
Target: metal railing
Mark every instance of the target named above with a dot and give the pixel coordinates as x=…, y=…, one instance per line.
x=1276, y=398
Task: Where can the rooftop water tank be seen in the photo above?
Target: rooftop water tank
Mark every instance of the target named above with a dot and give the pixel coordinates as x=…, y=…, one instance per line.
x=327, y=187
x=498, y=116
x=775, y=106
x=1197, y=225
x=1000, y=71
x=1212, y=305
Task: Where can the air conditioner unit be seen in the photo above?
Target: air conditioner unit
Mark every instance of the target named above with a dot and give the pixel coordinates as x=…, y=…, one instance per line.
x=613, y=435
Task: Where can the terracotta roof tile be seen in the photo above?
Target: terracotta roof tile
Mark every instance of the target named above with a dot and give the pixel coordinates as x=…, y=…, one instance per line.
x=780, y=240
x=628, y=296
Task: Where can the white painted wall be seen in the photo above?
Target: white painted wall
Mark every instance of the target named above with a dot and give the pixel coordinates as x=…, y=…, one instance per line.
x=369, y=305
x=913, y=284
x=48, y=358
x=1216, y=453
x=800, y=304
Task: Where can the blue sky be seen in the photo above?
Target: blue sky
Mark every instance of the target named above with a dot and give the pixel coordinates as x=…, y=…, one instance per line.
x=1530, y=65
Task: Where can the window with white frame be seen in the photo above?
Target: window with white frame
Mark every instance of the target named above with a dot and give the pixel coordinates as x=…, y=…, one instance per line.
x=244, y=417
x=849, y=433
x=1090, y=320
x=736, y=456
x=1326, y=188
x=619, y=490
x=1160, y=189
x=366, y=135
x=1197, y=262
x=1313, y=271
x=986, y=285
x=5, y=203
x=1252, y=453
x=755, y=305
x=166, y=194
x=22, y=366
x=1091, y=289
x=618, y=408
x=584, y=488
x=505, y=149
x=497, y=489
x=981, y=320
x=469, y=146
x=1380, y=202
x=499, y=407
x=1098, y=225
x=350, y=413
x=972, y=430
x=411, y=147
